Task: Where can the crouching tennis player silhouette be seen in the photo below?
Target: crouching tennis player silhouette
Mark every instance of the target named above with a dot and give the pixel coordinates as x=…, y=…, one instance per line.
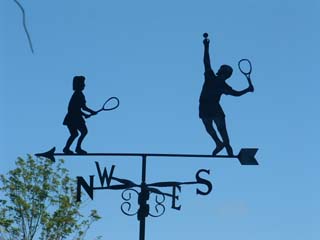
x=74, y=119
x=209, y=108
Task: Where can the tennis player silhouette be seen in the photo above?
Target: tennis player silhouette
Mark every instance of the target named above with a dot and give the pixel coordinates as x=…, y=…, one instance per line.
x=74, y=119
x=210, y=109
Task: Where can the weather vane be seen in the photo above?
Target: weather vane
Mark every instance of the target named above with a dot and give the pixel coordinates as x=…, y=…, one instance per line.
x=210, y=111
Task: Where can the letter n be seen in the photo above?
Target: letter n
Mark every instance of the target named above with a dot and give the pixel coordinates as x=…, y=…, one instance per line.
x=81, y=182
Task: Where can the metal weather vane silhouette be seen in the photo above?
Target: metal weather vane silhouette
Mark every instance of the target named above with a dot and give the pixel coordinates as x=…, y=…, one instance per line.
x=74, y=119
x=213, y=88
x=209, y=111
x=246, y=157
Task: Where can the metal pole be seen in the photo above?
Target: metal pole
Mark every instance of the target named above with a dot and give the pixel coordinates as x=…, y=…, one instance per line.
x=142, y=201
x=144, y=167
x=142, y=229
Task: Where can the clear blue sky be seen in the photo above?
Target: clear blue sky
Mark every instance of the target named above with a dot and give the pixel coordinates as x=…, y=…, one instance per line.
x=149, y=54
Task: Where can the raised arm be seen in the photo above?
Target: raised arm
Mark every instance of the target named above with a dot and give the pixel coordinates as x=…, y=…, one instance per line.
x=206, y=56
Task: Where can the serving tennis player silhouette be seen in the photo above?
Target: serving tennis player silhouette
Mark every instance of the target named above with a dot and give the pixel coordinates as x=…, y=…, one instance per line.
x=74, y=119
x=210, y=109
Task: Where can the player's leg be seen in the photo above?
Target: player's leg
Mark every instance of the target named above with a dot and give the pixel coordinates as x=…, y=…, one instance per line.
x=210, y=130
x=83, y=132
x=73, y=134
x=222, y=128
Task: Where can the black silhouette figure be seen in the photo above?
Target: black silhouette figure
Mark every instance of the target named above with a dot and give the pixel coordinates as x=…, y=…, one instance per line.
x=74, y=119
x=209, y=108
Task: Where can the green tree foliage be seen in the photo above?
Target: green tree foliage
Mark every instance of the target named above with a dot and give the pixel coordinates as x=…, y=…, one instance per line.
x=39, y=203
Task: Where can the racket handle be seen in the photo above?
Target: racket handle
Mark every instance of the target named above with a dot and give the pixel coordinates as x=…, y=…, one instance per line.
x=250, y=83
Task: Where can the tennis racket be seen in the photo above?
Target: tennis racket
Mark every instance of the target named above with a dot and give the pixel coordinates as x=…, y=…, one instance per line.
x=245, y=68
x=110, y=104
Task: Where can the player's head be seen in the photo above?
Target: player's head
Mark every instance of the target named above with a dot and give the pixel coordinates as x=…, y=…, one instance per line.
x=225, y=71
x=78, y=83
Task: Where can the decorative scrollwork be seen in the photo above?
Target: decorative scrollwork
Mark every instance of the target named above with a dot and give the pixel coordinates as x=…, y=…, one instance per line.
x=126, y=206
x=159, y=206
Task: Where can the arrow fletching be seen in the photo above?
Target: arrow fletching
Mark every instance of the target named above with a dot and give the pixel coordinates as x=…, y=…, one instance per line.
x=49, y=154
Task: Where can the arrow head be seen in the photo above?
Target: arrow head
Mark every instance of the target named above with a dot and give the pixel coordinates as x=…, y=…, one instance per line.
x=246, y=156
x=49, y=154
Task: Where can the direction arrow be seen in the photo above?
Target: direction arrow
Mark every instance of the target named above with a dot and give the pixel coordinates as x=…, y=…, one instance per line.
x=246, y=156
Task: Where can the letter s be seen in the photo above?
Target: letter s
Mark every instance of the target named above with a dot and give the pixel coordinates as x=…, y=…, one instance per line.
x=203, y=181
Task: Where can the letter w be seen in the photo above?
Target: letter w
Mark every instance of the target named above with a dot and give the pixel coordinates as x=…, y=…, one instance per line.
x=105, y=177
